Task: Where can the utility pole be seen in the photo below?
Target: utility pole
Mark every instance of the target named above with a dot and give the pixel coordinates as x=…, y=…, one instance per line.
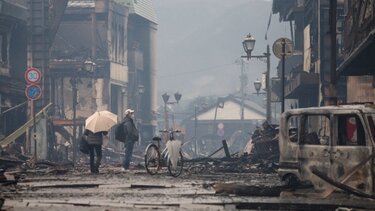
x=195, y=130
x=332, y=87
x=74, y=89
x=242, y=78
x=283, y=76
x=268, y=87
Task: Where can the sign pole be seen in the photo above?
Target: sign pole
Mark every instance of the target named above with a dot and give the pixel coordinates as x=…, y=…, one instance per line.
x=34, y=131
x=33, y=92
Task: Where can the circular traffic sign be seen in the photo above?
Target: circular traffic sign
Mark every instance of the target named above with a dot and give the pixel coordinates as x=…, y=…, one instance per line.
x=33, y=92
x=277, y=47
x=33, y=75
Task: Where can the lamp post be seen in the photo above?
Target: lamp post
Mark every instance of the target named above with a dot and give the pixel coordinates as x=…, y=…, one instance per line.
x=165, y=96
x=141, y=91
x=140, y=117
x=248, y=45
x=89, y=67
x=73, y=82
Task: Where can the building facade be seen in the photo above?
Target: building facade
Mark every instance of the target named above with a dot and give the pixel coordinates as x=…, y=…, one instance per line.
x=94, y=55
x=308, y=76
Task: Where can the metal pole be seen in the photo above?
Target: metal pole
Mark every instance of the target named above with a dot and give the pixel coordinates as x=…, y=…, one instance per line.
x=268, y=87
x=215, y=117
x=242, y=95
x=283, y=77
x=166, y=117
x=74, y=84
x=332, y=90
x=93, y=36
x=195, y=130
x=34, y=132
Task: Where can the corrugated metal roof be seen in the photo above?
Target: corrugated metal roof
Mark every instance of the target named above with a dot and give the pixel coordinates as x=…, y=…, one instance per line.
x=143, y=8
x=81, y=3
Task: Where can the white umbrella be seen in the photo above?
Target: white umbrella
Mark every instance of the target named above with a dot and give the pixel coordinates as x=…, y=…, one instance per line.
x=100, y=121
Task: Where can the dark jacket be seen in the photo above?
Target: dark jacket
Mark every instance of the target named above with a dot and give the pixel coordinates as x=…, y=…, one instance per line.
x=95, y=138
x=130, y=130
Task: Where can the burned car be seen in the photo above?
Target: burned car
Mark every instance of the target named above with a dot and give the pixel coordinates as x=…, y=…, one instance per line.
x=331, y=145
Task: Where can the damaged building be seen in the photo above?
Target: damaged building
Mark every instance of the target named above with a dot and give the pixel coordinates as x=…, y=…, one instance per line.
x=92, y=55
x=309, y=69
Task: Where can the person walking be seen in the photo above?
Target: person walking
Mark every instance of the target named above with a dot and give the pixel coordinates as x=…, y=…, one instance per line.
x=95, y=141
x=131, y=136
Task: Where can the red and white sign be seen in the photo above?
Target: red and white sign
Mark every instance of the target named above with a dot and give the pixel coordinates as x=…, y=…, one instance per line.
x=33, y=75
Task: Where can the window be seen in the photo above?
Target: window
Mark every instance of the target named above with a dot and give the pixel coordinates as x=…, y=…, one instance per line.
x=315, y=130
x=309, y=129
x=350, y=131
x=293, y=124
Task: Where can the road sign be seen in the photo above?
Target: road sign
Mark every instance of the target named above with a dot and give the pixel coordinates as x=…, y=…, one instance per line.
x=33, y=92
x=33, y=75
x=278, y=46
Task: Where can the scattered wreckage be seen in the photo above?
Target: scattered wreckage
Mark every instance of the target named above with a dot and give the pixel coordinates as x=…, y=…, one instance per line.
x=315, y=151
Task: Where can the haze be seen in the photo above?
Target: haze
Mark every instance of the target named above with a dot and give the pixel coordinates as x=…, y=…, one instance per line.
x=200, y=41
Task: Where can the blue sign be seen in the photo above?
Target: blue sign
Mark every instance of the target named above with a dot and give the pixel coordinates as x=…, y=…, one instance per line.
x=33, y=92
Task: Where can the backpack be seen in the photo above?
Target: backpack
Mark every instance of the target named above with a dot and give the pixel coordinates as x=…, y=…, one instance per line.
x=83, y=145
x=120, y=134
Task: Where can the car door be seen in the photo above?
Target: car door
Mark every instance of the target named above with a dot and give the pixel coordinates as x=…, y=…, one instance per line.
x=314, y=148
x=351, y=145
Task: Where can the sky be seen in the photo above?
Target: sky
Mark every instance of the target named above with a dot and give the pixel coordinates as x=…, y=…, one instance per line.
x=199, y=42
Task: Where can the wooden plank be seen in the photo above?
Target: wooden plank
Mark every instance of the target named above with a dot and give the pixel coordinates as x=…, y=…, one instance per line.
x=247, y=190
x=12, y=137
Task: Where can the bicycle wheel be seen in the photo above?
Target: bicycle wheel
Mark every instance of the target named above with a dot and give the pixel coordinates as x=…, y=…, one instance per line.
x=176, y=171
x=152, y=159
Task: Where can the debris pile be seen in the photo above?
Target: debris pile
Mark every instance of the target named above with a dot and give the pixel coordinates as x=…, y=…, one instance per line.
x=265, y=143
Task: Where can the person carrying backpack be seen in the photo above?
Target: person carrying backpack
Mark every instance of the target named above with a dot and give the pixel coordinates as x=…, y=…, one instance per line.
x=95, y=141
x=130, y=136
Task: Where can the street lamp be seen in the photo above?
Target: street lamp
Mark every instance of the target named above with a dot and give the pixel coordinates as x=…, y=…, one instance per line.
x=257, y=85
x=89, y=66
x=165, y=96
x=248, y=45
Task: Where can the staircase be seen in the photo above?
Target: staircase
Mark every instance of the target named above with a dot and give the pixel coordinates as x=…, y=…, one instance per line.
x=12, y=137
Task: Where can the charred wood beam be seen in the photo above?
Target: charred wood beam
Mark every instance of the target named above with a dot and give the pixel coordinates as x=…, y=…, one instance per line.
x=67, y=122
x=68, y=186
x=147, y=186
x=62, y=131
x=340, y=185
x=347, y=175
x=49, y=163
x=226, y=150
x=248, y=190
x=8, y=182
x=12, y=108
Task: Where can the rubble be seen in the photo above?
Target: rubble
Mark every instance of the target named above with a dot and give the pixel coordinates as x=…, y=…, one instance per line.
x=265, y=143
x=261, y=155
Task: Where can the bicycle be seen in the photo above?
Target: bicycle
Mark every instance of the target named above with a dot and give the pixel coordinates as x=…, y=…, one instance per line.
x=154, y=160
